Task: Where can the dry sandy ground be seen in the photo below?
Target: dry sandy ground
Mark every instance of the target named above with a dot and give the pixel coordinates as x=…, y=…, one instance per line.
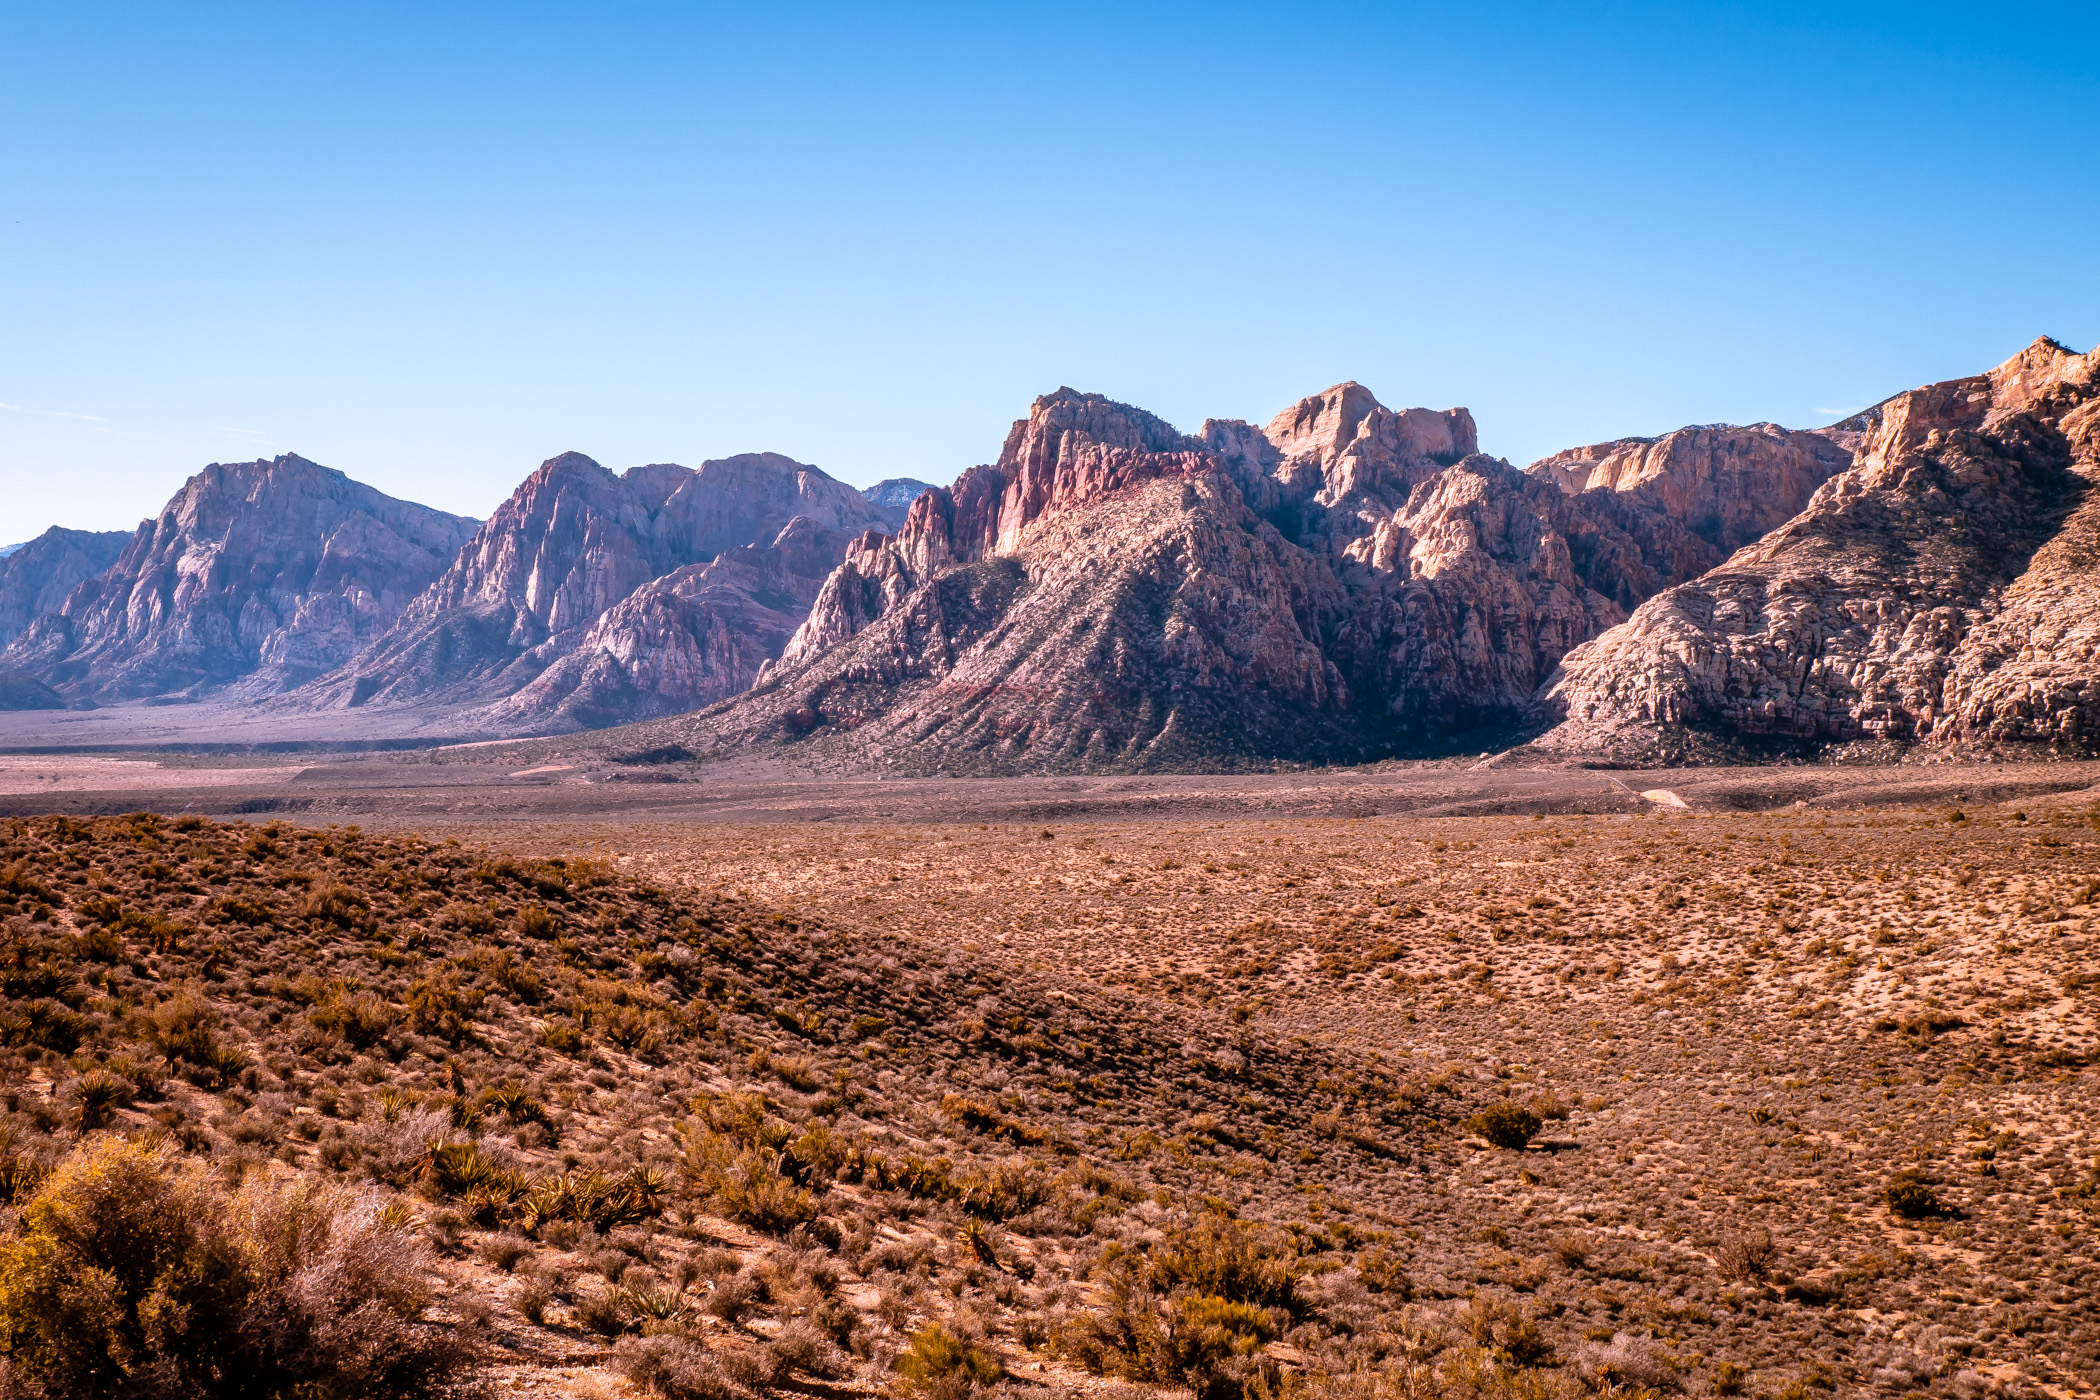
x=483, y=784
x=1754, y=1020
x=34, y=775
x=1755, y=1011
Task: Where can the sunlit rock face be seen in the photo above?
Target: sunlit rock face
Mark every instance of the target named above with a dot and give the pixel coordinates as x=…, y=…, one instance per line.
x=1939, y=592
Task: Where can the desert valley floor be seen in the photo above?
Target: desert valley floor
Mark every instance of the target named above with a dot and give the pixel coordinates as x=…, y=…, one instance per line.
x=1812, y=1049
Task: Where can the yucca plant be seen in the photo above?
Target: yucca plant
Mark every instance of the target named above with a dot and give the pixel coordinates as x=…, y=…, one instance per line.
x=96, y=1098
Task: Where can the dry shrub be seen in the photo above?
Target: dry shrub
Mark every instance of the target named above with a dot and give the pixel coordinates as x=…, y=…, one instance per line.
x=1509, y=1332
x=1505, y=1125
x=1229, y=1259
x=1626, y=1361
x=1462, y=1373
x=395, y=1151
x=803, y=1346
x=601, y=1312
x=506, y=1250
x=940, y=1362
x=1909, y=1198
x=672, y=1367
x=1208, y=1344
x=132, y=1274
x=1745, y=1257
x=185, y=1030
x=361, y=1018
x=1551, y=1107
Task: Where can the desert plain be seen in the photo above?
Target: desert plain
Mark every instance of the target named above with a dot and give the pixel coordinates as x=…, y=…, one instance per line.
x=1807, y=1053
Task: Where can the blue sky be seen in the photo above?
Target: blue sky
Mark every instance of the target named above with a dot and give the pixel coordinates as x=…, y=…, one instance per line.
x=433, y=245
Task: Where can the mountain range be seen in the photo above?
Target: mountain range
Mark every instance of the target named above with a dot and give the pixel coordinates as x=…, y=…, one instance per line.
x=1346, y=582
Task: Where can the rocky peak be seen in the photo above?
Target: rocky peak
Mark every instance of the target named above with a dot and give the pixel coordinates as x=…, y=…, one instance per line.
x=1327, y=469
x=572, y=544
x=1357, y=443
x=260, y=573
x=1401, y=595
x=1940, y=591
x=36, y=577
x=731, y=502
x=571, y=541
x=1322, y=425
x=893, y=497
x=1033, y=443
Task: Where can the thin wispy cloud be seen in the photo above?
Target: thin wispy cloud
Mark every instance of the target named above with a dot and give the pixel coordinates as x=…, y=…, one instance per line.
x=50, y=413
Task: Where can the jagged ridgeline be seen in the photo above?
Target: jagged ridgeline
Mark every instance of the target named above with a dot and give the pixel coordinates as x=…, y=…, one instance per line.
x=542, y=1060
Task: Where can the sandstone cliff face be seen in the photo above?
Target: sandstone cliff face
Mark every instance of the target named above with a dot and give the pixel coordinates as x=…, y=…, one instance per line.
x=526, y=614
x=36, y=577
x=1347, y=582
x=1939, y=592
x=699, y=634
x=1469, y=594
x=1729, y=486
x=256, y=577
x=1163, y=626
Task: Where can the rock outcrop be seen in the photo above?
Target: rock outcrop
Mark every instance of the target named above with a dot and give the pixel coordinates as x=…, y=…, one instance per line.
x=699, y=634
x=1940, y=592
x=584, y=598
x=1728, y=486
x=36, y=577
x=1111, y=593
x=256, y=577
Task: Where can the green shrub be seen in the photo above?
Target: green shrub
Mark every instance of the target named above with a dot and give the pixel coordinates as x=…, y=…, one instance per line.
x=1505, y=1125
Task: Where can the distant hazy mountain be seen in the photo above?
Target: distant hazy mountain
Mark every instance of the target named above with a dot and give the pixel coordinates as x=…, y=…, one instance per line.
x=590, y=598
x=256, y=577
x=35, y=577
x=894, y=497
